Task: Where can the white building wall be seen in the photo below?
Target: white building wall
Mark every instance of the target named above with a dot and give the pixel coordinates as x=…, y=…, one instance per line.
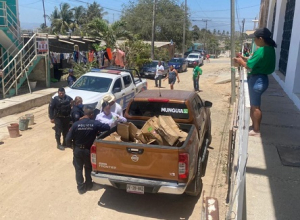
x=291, y=82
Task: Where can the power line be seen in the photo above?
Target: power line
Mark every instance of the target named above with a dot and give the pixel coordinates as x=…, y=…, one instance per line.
x=90, y=3
x=227, y=9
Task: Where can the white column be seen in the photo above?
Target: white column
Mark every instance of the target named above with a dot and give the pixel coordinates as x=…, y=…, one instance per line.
x=278, y=28
x=270, y=15
x=292, y=79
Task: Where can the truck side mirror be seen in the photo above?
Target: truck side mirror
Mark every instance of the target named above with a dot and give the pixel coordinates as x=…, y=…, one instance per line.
x=207, y=104
x=115, y=90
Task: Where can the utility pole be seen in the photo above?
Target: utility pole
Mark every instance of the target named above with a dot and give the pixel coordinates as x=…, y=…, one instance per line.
x=232, y=52
x=44, y=12
x=205, y=20
x=153, y=29
x=184, y=26
x=255, y=21
x=242, y=38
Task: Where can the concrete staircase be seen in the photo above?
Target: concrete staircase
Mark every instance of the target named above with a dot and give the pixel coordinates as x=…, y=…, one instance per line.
x=17, y=59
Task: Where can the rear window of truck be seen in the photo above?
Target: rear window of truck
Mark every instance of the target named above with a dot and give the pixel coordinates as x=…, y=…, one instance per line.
x=150, y=109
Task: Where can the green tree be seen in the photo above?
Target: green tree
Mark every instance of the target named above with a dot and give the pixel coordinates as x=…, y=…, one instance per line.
x=196, y=32
x=212, y=45
x=79, y=14
x=138, y=53
x=169, y=20
x=109, y=33
x=61, y=19
x=93, y=10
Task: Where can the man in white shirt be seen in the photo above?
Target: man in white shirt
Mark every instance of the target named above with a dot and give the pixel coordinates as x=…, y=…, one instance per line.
x=159, y=73
x=108, y=117
x=114, y=107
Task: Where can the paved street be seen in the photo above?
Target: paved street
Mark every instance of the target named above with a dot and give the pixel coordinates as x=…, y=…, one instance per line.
x=38, y=181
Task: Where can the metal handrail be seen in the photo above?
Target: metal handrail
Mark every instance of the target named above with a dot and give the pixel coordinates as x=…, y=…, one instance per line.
x=21, y=50
x=7, y=51
x=24, y=58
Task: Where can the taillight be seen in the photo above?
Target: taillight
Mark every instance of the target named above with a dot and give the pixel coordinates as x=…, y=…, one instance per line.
x=93, y=156
x=158, y=100
x=183, y=166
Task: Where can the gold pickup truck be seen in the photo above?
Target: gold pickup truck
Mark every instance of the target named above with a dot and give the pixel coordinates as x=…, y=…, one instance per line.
x=144, y=168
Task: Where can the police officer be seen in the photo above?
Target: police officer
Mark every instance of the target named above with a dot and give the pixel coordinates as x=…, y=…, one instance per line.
x=83, y=134
x=59, y=113
x=71, y=78
x=77, y=109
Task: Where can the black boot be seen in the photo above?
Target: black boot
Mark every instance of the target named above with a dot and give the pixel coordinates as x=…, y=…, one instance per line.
x=59, y=146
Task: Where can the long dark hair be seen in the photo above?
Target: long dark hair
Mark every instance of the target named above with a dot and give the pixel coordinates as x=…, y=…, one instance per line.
x=270, y=42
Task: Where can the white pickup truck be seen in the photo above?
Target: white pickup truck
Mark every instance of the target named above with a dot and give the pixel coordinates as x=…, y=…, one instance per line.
x=94, y=85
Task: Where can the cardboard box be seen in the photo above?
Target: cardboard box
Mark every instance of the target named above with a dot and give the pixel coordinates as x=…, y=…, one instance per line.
x=113, y=137
x=140, y=136
x=167, y=129
x=179, y=142
x=132, y=131
x=149, y=131
x=127, y=131
x=123, y=131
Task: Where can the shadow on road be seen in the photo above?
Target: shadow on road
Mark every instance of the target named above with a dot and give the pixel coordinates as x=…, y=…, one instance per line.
x=158, y=206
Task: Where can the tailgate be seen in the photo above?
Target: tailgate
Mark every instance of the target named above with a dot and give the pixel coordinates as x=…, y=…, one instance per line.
x=148, y=161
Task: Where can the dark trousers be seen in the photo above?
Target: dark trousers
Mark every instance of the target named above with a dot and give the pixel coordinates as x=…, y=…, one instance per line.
x=62, y=126
x=81, y=157
x=158, y=78
x=196, y=83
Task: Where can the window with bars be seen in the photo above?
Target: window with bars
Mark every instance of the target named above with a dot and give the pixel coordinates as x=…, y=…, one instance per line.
x=286, y=36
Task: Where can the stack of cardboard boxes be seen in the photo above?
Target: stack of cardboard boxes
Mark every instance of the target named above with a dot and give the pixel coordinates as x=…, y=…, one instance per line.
x=161, y=130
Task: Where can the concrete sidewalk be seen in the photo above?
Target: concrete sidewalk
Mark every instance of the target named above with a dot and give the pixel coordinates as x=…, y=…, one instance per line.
x=273, y=190
x=20, y=103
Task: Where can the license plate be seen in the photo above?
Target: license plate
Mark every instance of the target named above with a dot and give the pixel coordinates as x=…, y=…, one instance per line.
x=146, y=74
x=135, y=189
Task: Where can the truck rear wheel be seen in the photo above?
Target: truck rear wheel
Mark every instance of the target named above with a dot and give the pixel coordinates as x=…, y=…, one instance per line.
x=195, y=187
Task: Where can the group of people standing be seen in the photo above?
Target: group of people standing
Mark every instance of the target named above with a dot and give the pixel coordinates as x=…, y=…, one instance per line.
x=79, y=126
x=171, y=75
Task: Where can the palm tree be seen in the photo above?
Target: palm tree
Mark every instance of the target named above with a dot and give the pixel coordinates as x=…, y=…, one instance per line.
x=94, y=10
x=109, y=33
x=79, y=14
x=61, y=20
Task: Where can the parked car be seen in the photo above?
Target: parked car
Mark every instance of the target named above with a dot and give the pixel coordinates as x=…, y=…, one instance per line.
x=202, y=52
x=144, y=168
x=94, y=85
x=194, y=59
x=149, y=69
x=180, y=64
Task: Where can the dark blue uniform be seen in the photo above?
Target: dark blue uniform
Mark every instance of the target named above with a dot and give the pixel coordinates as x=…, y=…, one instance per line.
x=59, y=110
x=71, y=79
x=83, y=134
x=76, y=113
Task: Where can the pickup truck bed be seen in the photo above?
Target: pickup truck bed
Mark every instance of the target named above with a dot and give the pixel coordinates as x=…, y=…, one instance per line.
x=155, y=167
x=141, y=168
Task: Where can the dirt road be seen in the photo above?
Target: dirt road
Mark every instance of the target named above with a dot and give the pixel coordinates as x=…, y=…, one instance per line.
x=38, y=181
